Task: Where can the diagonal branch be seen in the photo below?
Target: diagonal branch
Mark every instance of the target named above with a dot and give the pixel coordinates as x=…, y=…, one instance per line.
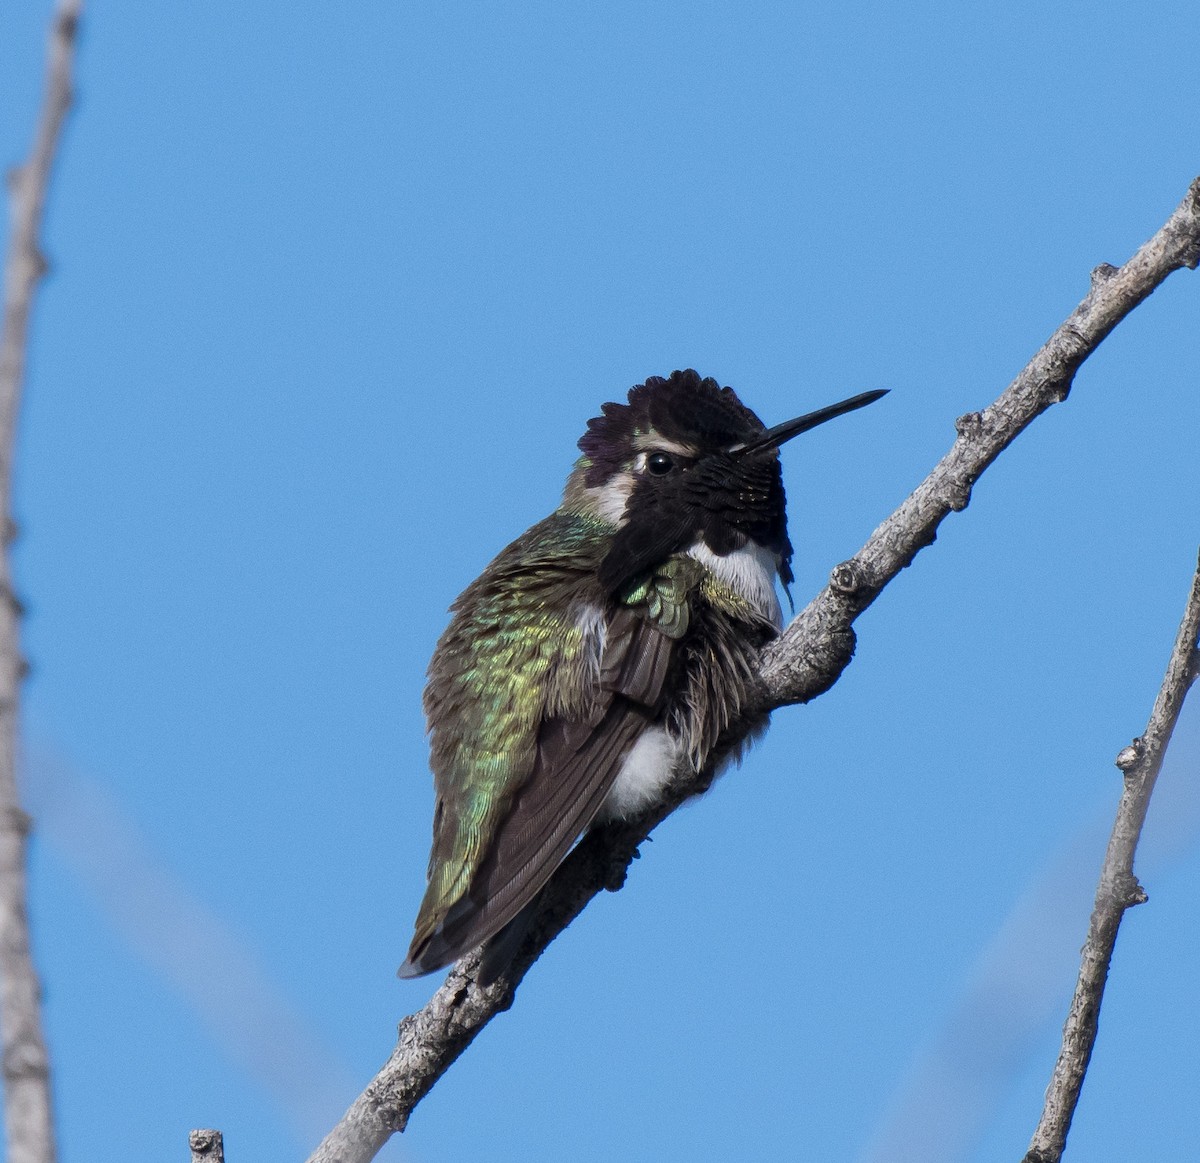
x=802, y=664
x=27, y=1103
x=1118, y=889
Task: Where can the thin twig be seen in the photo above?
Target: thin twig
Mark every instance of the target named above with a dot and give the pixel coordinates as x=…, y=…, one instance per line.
x=28, y=1113
x=1118, y=889
x=802, y=664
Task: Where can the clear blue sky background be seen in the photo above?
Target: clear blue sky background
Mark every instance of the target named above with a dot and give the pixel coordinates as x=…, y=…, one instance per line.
x=335, y=290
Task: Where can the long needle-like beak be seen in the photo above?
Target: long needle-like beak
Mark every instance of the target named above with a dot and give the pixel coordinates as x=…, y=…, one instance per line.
x=774, y=437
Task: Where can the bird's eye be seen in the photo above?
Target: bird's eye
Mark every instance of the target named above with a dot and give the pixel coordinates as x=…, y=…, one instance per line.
x=659, y=463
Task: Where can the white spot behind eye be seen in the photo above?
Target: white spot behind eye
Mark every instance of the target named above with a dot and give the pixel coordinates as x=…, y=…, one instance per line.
x=611, y=498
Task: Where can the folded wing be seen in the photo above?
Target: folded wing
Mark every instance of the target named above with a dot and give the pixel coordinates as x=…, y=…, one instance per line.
x=575, y=761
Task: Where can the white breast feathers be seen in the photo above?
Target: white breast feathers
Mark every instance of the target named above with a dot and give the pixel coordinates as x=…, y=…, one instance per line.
x=751, y=571
x=646, y=771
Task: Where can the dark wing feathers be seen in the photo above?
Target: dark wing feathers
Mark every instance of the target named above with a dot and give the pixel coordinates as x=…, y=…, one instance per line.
x=576, y=761
x=574, y=769
x=637, y=655
x=576, y=765
x=562, y=795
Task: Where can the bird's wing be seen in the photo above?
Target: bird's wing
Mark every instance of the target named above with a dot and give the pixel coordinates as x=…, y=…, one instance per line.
x=493, y=852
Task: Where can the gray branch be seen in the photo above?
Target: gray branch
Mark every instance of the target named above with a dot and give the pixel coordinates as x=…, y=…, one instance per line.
x=802, y=664
x=28, y=1113
x=1118, y=889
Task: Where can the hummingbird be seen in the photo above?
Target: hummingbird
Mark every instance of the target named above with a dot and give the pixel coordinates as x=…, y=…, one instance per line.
x=603, y=652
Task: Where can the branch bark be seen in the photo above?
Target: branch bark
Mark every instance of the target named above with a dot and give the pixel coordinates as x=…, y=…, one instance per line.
x=1118, y=889
x=28, y=1112
x=803, y=663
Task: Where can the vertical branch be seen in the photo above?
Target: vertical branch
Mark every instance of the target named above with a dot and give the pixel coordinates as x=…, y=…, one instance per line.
x=1118, y=889
x=27, y=1104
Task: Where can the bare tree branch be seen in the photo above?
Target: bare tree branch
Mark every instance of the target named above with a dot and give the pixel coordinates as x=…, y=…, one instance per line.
x=1118, y=889
x=27, y=1101
x=802, y=664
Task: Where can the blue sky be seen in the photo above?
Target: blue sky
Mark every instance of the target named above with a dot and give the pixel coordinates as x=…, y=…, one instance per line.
x=335, y=291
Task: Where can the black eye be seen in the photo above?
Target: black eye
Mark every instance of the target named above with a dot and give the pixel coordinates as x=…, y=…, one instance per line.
x=659, y=463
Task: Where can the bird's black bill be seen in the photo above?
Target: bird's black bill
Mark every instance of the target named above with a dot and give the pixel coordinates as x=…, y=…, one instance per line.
x=774, y=437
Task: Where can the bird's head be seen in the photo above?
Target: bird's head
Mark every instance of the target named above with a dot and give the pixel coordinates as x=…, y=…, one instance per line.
x=683, y=461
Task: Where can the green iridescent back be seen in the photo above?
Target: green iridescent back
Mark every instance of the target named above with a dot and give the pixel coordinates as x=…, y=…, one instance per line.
x=514, y=654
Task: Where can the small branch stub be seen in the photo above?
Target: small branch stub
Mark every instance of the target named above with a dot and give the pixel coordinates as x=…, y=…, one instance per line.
x=1134, y=893
x=208, y=1146
x=847, y=578
x=969, y=425
x=1128, y=758
x=958, y=497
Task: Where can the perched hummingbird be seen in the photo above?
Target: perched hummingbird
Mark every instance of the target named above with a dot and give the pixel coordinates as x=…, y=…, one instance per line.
x=603, y=651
